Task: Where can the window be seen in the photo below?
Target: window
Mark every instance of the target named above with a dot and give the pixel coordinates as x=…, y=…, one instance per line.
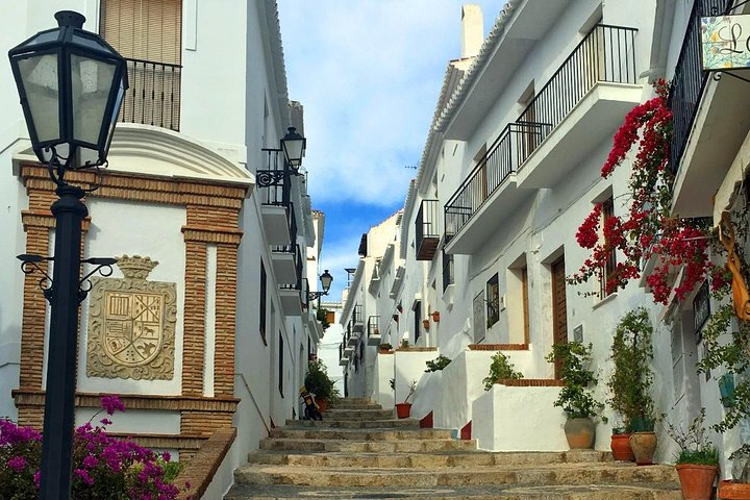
x=281, y=364
x=417, y=320
x=608, y=270
x=263, y=293
x=149, y=34
x=493, y=301
x=447, y=270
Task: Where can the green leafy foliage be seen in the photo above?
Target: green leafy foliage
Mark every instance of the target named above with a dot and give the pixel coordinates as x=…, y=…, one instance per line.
x=322, y=316
x=501, y=368
x=319, y=383
x=437, y=364
x=630, y=383
x=404, y=344
x=576, y=398
x=695, y=448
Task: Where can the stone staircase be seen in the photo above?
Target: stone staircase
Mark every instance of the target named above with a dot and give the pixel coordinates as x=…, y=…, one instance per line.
x=361, y=452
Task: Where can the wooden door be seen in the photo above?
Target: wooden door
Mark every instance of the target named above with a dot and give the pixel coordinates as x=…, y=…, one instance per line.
x=525, y=294
x=559, y=309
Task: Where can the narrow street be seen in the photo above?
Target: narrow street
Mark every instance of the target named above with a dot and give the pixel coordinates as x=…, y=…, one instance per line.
x=360, y=451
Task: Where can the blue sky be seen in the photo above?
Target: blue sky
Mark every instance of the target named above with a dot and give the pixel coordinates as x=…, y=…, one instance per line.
x=368, y=73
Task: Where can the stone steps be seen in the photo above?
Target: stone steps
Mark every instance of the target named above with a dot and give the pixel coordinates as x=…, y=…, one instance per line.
x=353, y=424
x=359, y=453
x=412, y=460
x=410, y=446
x=614, y=492
x=549, y=475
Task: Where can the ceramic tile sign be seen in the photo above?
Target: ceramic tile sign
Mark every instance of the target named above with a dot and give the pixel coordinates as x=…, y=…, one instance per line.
x=725, y=42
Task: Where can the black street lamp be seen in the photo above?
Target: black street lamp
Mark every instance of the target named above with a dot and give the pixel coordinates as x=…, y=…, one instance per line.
x=325, y=280
x=293, y=145
x=71, y=84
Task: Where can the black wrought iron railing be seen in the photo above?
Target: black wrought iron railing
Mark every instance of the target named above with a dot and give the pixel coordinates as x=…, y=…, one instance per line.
x=689, y=79
x=447, y=270
x=503, y=157
x=295, y=251
x=153, y=97
x=427, y=221
x=606, y=54
x=279, y=192
x=373, y=325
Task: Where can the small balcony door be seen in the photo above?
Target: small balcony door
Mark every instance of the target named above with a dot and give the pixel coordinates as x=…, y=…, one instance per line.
x=559, y=309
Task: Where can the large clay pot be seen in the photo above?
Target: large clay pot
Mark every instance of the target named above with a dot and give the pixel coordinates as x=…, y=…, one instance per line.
x=322, y=405
x=403, y=410
x=580, y=433
x=621, y=450
x=644, y=446
x=697, y=481
x=732, y=490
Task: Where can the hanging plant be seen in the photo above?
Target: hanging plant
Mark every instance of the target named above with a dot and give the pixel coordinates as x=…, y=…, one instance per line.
x=648, y=229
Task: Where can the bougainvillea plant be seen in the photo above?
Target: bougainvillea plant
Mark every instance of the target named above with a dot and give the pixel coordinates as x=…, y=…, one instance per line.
x=648, y=229
x=104, y=467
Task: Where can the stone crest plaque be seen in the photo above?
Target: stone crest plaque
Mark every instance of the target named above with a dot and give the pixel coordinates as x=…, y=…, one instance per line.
x=131, y=329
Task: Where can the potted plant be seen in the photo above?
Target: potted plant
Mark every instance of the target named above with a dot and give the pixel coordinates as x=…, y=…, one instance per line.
x=500, y=369
x=631, y=380
x=698, y=461
x=403, y=410
x=620, y=445
x=385, y=347
x=404, y=344
x=435, y=316
x=426, y=324
x=576, y=397
x=437, y=364
x=320, y=384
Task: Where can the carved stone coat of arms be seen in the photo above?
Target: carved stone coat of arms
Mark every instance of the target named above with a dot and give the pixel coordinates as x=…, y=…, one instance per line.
x=131, y=328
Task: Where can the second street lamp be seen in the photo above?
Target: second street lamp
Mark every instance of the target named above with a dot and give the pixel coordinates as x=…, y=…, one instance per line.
x=71, y=84
x=325, y=280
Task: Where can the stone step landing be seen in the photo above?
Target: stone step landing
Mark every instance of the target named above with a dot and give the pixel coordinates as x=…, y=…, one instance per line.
x=410, y=446
x=353, y=424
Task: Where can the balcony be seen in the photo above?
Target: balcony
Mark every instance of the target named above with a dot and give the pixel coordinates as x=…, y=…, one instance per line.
x=711, y=119
x=373, y=331
x=343, y=355
x=287, y=264
x=428, y=233
x=581, y=105
x=279, y=220
x=490, y=190
x=153, y=97
x=293, y=295
x=358, y=319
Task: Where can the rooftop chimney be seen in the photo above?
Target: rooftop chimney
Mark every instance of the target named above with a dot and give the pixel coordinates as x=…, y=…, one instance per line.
x=472, y=30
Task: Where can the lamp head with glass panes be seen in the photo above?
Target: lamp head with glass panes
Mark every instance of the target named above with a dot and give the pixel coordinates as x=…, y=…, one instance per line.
x=71, y=83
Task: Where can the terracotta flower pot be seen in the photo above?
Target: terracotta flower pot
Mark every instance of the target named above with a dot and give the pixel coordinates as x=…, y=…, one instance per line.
x=322, y=405
x=580, y=433
x=644, y=446
x=403, y=410
x=697, y=481
x=733, y=490
x=620, y=445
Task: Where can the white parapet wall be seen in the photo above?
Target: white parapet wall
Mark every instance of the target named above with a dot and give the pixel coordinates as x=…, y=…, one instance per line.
x=462, y=384
x=409, y=366
x=519, y=419
x=384, y=372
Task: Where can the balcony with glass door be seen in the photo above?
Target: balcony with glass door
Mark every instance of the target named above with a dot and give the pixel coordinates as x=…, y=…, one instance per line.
x=427, y=229
x=373, y=331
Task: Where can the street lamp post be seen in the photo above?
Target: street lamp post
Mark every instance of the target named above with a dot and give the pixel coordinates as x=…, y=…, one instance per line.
x=71, y=84
x=325, y=280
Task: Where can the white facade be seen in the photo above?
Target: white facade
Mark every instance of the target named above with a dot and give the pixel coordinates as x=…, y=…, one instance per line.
x=512, y=161
x=233, y=102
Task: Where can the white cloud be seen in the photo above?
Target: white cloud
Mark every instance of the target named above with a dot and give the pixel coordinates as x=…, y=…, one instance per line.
x=368, y=73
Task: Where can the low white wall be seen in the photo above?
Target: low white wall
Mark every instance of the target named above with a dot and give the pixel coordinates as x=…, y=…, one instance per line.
x=519, y=419
x=384, y=372
x=462, y=384
x=409, y=366
x=224, y=478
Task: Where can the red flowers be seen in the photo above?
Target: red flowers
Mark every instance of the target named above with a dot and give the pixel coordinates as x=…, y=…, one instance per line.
x=648, y=229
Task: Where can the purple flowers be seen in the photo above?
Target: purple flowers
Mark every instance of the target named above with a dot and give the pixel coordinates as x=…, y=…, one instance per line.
x=111, y=404
x=104, y=468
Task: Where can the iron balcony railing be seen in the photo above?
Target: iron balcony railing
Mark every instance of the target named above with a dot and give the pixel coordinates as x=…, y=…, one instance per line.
x=373, y=325
x=279, y=192
x=153, y=97
x=503, y=158
x=606, y=54
x=295, y=251
x=428, y=232
x=689, y=79
x=358, y=314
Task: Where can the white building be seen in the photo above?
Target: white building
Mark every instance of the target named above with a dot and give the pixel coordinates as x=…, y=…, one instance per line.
x=510, y=169
x=199, y=133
